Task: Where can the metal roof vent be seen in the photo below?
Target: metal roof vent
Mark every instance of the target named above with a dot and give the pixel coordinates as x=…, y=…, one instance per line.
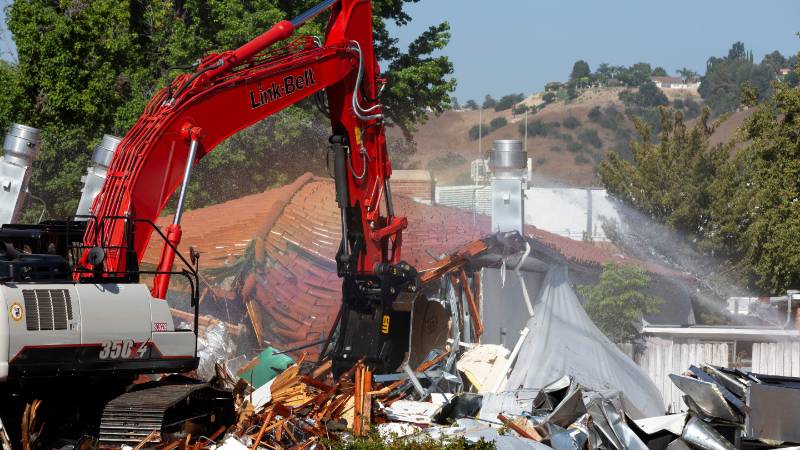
x=96, y=174
x=21, y=147
x=508, y=162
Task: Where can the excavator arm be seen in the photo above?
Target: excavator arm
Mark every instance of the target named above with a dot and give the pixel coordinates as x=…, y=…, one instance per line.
x=233, y=90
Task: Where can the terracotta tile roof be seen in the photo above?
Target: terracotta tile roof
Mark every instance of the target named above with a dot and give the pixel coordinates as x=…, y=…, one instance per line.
x=296, y=233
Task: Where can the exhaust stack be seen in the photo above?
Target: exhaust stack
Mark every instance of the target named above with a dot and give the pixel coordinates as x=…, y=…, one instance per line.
x=508, y=162
x=21, y=147
x=96, y=174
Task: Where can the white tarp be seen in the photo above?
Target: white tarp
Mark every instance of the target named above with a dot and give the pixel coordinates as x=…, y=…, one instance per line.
x=563, y=340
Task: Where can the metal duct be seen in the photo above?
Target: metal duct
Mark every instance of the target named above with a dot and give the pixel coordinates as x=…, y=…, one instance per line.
x=21, y=147
x=508, y=163
x=96, y=174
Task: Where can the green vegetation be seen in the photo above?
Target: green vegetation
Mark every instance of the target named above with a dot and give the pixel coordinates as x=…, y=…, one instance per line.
x=539, y=128
x=740, y=208
x=580, y=158
x=521, y=109
x=475, y=131
x=669, y=180
x=648, y=95
x=659, y=72
x=489, y=102
x=722, y=85
x=497, y=123
x=471, y=104
x=450, y=160
x=571, y=123
x=575, y=147
x=589, y=136
x=376, y=442
x=508, y=101
x=88, y=68
x=618, y=300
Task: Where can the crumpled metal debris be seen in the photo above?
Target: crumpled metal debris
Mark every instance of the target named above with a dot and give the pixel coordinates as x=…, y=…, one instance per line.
x=214, y=346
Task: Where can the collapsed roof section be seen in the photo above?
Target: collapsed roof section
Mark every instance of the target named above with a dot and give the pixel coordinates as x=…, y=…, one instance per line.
x=290, y=286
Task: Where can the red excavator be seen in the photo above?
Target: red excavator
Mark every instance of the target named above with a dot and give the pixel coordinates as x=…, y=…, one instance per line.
x=78, y=312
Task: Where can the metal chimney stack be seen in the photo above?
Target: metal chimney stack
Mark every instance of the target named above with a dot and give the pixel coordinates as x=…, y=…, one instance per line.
x=21, y=147
x=508, y=163
x=96, y=174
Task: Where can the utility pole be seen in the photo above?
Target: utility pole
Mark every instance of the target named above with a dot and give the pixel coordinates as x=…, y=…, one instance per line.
x=526, y=130
x=480, y=130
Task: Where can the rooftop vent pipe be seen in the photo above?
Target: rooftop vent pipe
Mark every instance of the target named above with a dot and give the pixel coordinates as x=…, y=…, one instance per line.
x=96, y=174
x=21, y=147
x=508, y=164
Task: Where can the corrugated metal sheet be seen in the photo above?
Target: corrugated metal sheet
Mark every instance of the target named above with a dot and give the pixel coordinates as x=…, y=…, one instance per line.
x=777, y=358
x=663, y=357
x=474, y=198
x=575, y=213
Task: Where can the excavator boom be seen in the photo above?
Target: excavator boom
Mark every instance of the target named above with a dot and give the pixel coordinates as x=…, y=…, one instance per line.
x=232, y=90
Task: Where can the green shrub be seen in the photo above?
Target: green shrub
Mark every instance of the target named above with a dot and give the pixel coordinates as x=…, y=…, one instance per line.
x=677, y=103
x=520, y=109
x=589, y=136
x=496, y=123
x=580, y=158
x=474, y=132
x=555, y=148
x=541, y=160
x=595, y=114
x=575, y=147
x=572, y=123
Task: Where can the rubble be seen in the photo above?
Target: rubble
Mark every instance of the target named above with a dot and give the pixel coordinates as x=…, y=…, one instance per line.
x=560, y=384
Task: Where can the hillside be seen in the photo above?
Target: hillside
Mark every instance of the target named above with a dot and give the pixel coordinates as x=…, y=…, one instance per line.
x=561, y=155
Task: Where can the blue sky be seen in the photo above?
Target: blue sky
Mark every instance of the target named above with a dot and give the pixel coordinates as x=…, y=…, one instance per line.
x=504, y=46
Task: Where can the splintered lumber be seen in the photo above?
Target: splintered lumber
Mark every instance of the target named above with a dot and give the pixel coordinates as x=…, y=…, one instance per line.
x=453, y=262
x=288, y=389
x=363, y=400
x=473, y=307
x=522, y=427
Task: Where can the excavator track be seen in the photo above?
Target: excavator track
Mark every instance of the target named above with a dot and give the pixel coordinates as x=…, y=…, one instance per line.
x=166, y=408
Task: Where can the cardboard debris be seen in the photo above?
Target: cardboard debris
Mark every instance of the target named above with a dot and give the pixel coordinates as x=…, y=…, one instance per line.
x=483, y=365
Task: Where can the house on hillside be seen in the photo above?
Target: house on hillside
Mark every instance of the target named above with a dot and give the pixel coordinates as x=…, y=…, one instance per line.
x=676, y=83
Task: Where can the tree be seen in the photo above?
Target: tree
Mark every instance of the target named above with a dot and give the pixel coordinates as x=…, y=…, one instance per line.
x=548, y=98
x=88, y=68
x=489, y=102
x=688, y=75
x=475, y=132
x=670, y=181
x=454, y=103
x=659, y=72
x=648, y=95
x=603, y=73
x=497, y=122
x=571, y=122
x=721, y=86
x=617, y=302
x=775, y=61
x=520, y=108
x=508, y=101
x=580, y=70
x=471, y=104
x=756, y=219
x=635, y=75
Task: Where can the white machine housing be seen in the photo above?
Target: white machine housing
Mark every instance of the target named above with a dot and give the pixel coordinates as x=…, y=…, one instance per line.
x=71, y=328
